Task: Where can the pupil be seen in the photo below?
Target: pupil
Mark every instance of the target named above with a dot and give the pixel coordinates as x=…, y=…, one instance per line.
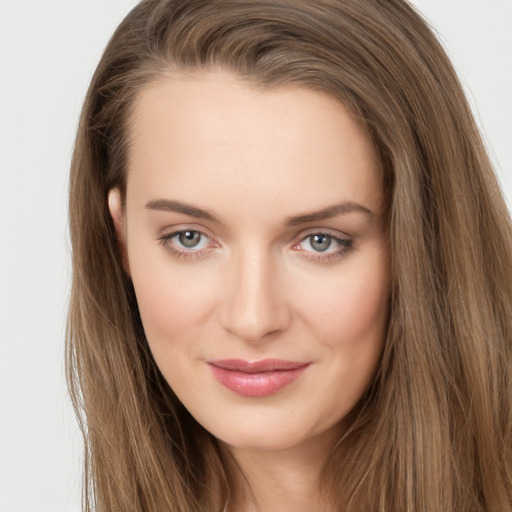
x=321, y=242
x=189, y=238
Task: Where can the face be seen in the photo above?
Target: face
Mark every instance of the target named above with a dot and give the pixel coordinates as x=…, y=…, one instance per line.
x=254, y=236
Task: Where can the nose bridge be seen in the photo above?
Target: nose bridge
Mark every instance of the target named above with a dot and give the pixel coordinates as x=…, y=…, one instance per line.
x=254, y=306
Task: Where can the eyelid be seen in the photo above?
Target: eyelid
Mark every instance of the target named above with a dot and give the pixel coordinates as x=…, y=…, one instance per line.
x=179, y=228
x=334, y=233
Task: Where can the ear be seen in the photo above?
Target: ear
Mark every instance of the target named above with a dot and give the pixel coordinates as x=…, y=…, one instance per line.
x=115, y=206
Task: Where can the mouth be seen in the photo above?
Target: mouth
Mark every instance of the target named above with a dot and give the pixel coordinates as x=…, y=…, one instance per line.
x=256, y=378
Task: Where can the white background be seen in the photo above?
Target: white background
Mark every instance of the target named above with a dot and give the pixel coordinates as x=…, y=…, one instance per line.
x=48, y=51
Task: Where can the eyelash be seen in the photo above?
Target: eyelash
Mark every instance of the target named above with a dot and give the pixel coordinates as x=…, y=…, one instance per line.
x=345, y=246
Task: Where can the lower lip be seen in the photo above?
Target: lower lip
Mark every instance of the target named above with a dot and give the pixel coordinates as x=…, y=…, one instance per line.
x=256, y=384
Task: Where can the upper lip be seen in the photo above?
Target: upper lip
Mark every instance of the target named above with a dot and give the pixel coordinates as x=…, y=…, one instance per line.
x=262, y=366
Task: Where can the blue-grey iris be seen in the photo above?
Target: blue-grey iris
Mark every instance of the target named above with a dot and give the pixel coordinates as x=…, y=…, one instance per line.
x=320, y=242
x=189, y=238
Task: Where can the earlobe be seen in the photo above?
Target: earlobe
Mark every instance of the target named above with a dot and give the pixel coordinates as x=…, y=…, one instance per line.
x=115, y=206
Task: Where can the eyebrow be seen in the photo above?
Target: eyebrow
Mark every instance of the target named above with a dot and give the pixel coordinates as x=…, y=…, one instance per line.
x=328, y=213
x=179, y=207
x=199, y=213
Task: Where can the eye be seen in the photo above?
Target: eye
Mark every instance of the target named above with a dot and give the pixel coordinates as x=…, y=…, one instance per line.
x=187, y=243
x=319, y=242
x=324, y=247
x=190, y=239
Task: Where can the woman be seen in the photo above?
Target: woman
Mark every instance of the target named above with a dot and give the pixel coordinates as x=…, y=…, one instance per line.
x=292, y=270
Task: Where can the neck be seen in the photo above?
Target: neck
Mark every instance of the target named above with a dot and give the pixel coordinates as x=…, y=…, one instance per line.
x=286, y=479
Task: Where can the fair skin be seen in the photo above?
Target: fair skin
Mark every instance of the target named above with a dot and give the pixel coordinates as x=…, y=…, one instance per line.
x=231, y=260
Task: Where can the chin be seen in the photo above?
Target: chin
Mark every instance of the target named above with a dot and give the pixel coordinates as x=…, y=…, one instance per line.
x=273, y=434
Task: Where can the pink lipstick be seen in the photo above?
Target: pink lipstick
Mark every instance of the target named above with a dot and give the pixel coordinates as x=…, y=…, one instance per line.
x=256, y=378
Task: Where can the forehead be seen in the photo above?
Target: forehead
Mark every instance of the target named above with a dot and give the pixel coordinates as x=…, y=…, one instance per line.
x=211, y=137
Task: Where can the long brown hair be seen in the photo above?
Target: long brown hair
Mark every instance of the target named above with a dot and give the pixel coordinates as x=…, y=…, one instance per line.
x=434, y=429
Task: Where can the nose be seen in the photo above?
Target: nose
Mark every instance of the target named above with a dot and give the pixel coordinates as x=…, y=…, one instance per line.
x=254, y=306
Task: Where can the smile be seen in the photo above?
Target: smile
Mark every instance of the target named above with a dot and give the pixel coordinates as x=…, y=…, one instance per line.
x=256, y=378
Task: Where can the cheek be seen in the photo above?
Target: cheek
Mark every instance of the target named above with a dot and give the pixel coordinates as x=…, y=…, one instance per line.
x=175, y=300
x=348, y=318
x=348, y=312
x=353, y=304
